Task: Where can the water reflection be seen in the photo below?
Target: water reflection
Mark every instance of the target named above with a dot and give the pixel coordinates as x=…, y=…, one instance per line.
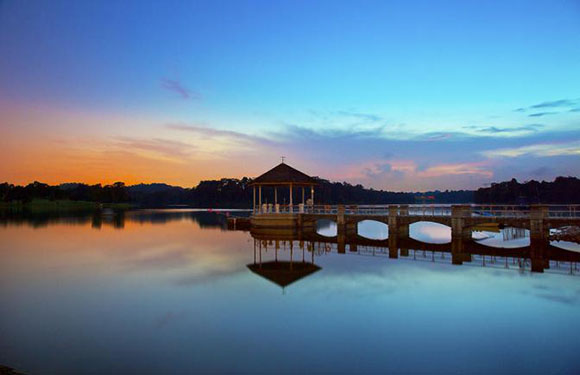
x=172, y=292
x=326, y=228
x=117, y=219
x=430, y=232
x=373, y=230
x=283, y=272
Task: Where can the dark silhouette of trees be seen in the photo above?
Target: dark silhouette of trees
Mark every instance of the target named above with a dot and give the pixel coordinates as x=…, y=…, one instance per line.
x=563, y=190
x=236, y=193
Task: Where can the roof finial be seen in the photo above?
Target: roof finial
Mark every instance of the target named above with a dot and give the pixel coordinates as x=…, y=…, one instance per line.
x=283, y=158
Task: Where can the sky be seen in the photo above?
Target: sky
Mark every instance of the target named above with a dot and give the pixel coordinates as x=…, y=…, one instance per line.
x=404, y=96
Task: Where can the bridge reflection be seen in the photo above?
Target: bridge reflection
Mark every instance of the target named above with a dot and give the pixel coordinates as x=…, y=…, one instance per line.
x=461, y=251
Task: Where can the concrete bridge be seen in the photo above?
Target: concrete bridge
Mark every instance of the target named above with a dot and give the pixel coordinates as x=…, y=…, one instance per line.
x=462, y=219
x=470, y=251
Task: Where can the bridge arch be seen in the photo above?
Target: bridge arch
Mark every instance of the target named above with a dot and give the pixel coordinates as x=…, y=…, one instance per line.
x=443, y=220
x=326, y=227
x=560, y=240
x=501, y=237
x=373, y=229
x=430, y=232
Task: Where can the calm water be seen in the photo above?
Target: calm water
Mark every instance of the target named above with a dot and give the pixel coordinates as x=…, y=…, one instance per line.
x=156, y=292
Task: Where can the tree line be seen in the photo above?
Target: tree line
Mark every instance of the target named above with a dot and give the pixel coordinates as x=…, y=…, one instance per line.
x=237, y=193
x=563, y=190
x=223, y=193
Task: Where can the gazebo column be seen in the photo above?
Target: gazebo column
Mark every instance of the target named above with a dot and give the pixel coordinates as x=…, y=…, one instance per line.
x=260, y=198
x=302, y=194
x=254, y=201
x=290, y=198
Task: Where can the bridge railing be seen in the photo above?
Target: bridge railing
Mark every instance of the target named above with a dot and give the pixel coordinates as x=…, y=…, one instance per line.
x=499, y=210
x=571, y=211
x=473, y=210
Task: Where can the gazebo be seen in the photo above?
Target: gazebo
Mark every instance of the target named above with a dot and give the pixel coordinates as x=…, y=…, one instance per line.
x=282, y=176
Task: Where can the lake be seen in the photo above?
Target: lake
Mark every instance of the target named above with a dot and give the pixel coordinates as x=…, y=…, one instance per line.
x=173, y=291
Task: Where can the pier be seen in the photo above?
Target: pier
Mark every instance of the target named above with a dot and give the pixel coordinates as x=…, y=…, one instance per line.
x=300, y=220
x=462, y=219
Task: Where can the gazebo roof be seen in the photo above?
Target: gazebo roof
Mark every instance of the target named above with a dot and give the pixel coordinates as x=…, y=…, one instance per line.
x=280, y=272
x=283, y=174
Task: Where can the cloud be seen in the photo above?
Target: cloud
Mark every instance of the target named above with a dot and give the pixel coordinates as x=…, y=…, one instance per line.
x=351, y=132
x=219, y=133
x=168, y=148
x=394, y=168
x=561, y=103
x=367, y=117
x=555, y=103
x=504, y=131
x=179, y=88
x=457, y=169
x=409, y=168
x=436, y=136
x=542, y=150
x=540, y=114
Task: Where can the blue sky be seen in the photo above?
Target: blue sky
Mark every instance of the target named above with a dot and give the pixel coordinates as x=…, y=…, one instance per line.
x=395, y=95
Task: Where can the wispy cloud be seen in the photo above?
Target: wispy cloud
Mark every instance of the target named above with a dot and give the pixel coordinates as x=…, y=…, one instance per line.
x=352, y=132
x=177, y=87
x=170, y=149
x=368, y=117
x=541, y=114
x=542, y=150
x=436, y=136
x=210, y=132
x=410, y=170
x=457, y=169
x=505, y=131
x=555, y=103
x=551, y=104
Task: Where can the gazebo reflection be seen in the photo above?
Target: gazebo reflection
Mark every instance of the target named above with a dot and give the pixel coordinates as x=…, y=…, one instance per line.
x=282, y=272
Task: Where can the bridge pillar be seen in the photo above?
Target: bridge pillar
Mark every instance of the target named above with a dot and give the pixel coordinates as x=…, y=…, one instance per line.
x=351, y=229
x=460, y=233
x=398, y=229
x=344, y=227
x=457, y=248
x=397, y=226
x=539, y=237
x=341, y=243
x=403, y=230
x=305, y=226
x=392, y=220
x=393, y=247
x=460, y=215
x=340, y=222
x=340, y=215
